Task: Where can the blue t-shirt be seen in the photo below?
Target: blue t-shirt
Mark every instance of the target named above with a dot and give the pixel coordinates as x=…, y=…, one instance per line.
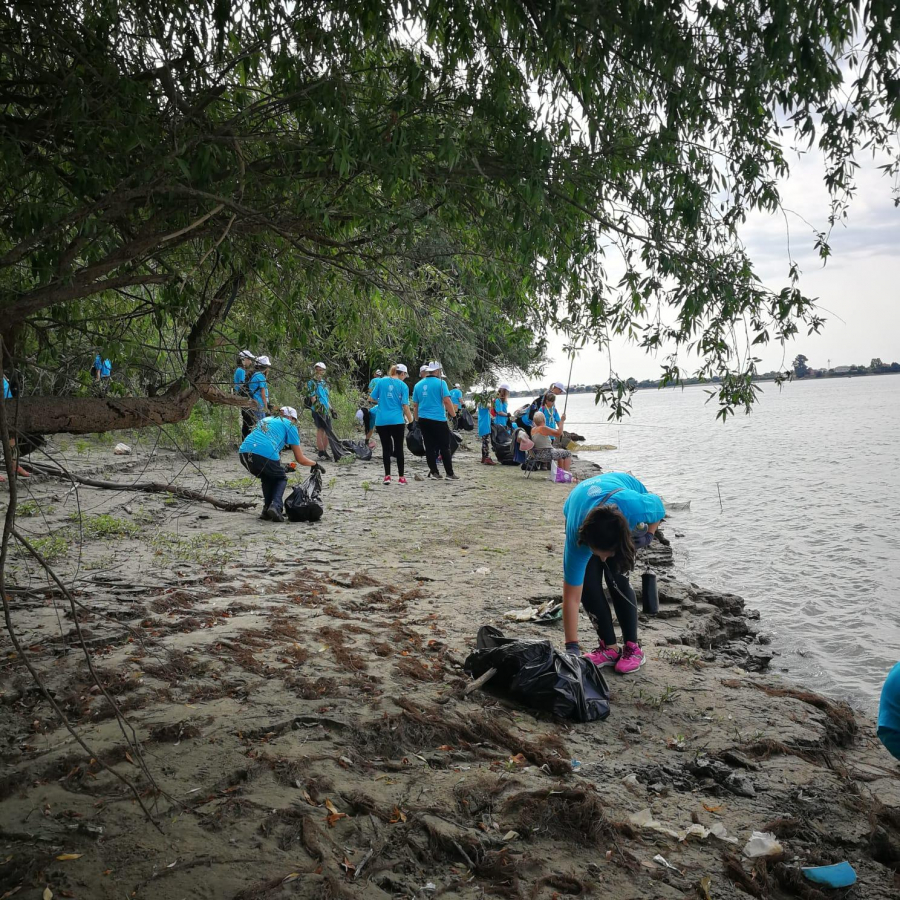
x=373, y=416
x=270, y=437
x=429, y=393
x=392, y=395
x=7, y=391
x=240, y=379
x=456, y=397
x=97, y=362
x=106, y=369
x=501, y=407
x=373, y=382
x=484, y=421
x=319, y=390
x=526, y=416
x=889, y=712
x=259, y=388
x=634, y=501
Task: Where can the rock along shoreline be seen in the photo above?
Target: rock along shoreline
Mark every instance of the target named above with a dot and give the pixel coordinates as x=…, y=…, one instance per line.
x=297, y=694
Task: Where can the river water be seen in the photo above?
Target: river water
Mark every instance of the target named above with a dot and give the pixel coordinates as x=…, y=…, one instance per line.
x=808, y=529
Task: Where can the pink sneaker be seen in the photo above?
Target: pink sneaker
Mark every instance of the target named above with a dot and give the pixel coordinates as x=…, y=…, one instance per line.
x=401, y=480
x=631, y=660
x=387, y=479
x=603, y=656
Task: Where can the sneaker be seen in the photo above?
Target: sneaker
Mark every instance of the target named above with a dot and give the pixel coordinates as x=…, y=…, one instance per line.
x=487, y=461
x=401, y=480
x=323, y=454
x=436, y=475
x=453, y=477
x=387, y=479
x=604, y=656
x=631, y=660
x=265, y=513
x=274, y=515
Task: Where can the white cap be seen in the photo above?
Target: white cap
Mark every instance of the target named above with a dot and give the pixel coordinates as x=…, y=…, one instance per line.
x=319, y=365
x=359, y=415
x=434, y=366
x=263, y=361
x=456, y=385
x=401, y=368
x=559, y=386
x=288, y=411
x=246, y=354
x=423, y=368
x=377, y=371
x=504, y=387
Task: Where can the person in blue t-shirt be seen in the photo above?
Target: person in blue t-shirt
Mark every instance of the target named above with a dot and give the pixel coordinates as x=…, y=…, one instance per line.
x=889, y=713
x=260, y=455
x=102, y=372
x=501, y=405
x=524, y=420
x=319, y=401
x=456, y=395
x=9, y=394
x=241, y=388
x=431, y=404
x=378, y=374
x=258, y=388
x=606, y=516
x=485, y=419
x=392, y=397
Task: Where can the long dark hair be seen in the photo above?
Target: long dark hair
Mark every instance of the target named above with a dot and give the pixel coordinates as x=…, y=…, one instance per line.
x=605, y=528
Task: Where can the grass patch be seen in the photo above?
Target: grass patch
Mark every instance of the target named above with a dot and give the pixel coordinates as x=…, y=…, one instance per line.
x=31, y=508
x=214, y=549
x=104, y=526
x=52, y=548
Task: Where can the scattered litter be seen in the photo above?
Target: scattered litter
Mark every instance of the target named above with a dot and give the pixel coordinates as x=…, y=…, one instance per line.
x=659, y=858
x=644, y=819
x=63, y=857
x=576, y=764
x=122, y=450
x=511, y=836
x=482, y=570
x=703, y=887
x=431, y=887
x=548, y=611
x=762, y=843
x=48, y=894
x=631, y=782
x=289, y=878
x=836, y=876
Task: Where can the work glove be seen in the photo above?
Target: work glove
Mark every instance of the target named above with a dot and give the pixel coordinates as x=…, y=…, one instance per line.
x=318, y=467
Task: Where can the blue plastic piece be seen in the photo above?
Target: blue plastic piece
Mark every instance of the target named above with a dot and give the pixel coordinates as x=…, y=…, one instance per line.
x=837, y=876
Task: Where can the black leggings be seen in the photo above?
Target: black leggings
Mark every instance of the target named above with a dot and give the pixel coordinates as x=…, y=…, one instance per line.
x=595, y=605
x=392, y=445
x=272, y=476
x=437, y=440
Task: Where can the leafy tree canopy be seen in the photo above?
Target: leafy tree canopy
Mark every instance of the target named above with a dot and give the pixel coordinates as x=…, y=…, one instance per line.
x=180, y=178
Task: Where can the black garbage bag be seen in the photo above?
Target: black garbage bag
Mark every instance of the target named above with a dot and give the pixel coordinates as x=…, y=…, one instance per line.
x=538, y=675
x=455, y=441
x=360, y=449
x=415, y=443
x=464, y=420
x=304, y=503
x=502, y=444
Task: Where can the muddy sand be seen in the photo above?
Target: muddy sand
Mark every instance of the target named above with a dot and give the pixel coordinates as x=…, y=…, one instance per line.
x=296, y=695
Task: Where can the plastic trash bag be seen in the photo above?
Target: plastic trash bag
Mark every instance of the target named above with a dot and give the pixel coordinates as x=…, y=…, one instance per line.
x=502, y=444
x=455, y=441
x=360, y=449
x=304, y=503
x=415, y=443
x=560, y=476
x=538, y=675
x=464, y=419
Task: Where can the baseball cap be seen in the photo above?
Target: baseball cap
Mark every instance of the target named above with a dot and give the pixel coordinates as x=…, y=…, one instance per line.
x=434, y=366
x=559, y=386
x=456, y=385
x=402, y=368
x=319, y=365
x=423, y=368
x=288, y=411
x=378, y=372
x=263, y=361
x=504, y=387
x=246, y=354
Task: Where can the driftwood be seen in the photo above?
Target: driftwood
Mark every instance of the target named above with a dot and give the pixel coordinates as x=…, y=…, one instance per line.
x=480, y=682
x=147, y=487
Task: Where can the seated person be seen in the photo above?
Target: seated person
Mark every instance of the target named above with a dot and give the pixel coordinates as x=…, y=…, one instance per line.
x=889, y=713
x=542, y=436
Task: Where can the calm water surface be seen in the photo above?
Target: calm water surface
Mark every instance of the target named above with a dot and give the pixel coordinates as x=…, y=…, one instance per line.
x=809, y=525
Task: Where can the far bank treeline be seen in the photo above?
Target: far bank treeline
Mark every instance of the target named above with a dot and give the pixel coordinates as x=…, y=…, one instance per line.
x=369, y=181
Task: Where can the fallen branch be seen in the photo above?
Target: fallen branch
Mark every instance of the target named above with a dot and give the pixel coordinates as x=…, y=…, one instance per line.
x=479, y=682
x=147, y=487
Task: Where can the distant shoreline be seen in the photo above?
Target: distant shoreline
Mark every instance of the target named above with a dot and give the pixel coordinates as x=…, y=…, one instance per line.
x=693, y=382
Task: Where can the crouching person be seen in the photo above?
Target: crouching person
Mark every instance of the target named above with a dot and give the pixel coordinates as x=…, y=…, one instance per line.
x=543, y=435
x=260, y=455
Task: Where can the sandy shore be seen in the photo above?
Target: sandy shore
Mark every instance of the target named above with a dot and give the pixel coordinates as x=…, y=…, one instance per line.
x=296, y=694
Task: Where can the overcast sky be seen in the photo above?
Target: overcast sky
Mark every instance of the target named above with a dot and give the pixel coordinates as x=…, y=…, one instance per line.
x=857, y=290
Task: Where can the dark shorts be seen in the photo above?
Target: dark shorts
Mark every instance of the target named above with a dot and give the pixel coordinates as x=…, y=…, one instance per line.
x=320, y=420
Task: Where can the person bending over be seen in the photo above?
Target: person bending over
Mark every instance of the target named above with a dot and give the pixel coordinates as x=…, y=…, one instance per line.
x=542, y=435
x=392, y=397
x=431, y=405
x=605, y=517
x=889, y=713
x=260, y=455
